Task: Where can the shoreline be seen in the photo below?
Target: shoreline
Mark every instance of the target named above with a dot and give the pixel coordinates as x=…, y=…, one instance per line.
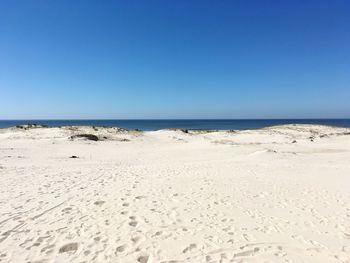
x=200, y=124
x=41, y=126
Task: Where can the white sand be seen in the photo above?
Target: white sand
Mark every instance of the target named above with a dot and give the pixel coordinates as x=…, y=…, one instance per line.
x=169, y=196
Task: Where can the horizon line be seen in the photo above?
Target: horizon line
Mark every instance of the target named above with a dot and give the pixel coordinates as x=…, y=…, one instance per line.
x=160, y=119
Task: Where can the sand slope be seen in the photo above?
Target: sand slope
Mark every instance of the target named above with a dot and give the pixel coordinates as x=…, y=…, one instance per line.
x=279, y=194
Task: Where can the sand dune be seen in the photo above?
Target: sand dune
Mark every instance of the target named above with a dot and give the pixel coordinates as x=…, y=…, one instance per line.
x=279, y=194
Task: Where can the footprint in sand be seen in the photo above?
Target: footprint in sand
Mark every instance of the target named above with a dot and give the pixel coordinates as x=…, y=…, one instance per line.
x=71, y=247
x=247, y=253
x=121, y=249
x=99, y=203
x=190, y=248
x=143, y=259
x=140, y=197
x=133, y=223
x=137, y=239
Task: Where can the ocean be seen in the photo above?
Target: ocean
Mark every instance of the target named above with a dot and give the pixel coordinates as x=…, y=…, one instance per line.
x=206, y=124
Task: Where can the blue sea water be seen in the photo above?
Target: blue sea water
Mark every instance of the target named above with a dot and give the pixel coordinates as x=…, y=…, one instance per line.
x=149, y=125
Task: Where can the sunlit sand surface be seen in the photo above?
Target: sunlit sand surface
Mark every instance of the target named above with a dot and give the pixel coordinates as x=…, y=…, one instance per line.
x=278, y=194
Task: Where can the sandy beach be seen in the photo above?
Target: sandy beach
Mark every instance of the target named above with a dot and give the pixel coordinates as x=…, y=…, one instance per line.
x=278, y=194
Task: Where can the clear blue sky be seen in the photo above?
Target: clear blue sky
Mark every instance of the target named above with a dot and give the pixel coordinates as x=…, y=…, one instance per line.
x=174, y=59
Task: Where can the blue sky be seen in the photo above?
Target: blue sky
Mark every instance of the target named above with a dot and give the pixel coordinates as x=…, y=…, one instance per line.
x=174, y=59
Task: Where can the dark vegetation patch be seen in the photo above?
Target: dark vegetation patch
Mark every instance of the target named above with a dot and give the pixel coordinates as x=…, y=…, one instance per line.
x=334, y=134
x=89, y=137
x=31, y=126
x=178, y=129
x=200, y=131
x=123, y=140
